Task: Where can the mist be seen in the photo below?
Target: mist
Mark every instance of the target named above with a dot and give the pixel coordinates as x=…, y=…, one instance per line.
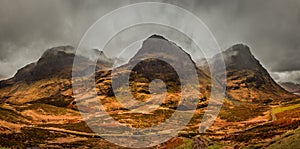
x=269, y=28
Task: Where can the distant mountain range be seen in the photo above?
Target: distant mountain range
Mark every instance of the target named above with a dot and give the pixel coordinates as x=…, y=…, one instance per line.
x=291, y=87
x=247, y=80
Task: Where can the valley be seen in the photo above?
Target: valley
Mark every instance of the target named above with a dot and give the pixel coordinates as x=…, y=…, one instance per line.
x=38, y=107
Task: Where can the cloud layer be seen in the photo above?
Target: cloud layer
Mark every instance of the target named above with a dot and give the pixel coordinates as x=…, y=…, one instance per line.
x=287, y=76
x=270, y=28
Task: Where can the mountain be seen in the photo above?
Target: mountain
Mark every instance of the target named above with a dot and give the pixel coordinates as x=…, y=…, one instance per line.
x=40, y=95
x=160, y=58
x=37, y=106
x=49, y=79
x=155, y=60
x=247, y=80
x=56, y=62
x=291, y=87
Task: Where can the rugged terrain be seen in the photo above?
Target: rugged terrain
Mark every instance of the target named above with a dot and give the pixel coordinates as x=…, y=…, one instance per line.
x=38, y=108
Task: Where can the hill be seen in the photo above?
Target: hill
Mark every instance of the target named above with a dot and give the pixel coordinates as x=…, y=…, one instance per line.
x=48, y=80
x=247, y=80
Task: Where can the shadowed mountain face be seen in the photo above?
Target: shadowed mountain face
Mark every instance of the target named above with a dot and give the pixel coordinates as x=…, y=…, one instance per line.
x=49, y=79
x=160, y=59
x=56, y=62
x=247, y=79
x=157, y=50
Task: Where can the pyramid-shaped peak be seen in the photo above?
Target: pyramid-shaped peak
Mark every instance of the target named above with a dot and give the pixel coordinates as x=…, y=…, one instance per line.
x=239, y=52
x=237, y=57
x=159, y=47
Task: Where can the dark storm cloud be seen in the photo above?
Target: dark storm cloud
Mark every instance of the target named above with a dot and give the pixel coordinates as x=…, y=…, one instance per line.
x=270, y=28
x=28, y=28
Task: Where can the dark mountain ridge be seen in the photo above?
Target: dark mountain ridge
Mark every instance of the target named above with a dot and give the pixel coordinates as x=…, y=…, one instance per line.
x=247, y=79
x=56, y=62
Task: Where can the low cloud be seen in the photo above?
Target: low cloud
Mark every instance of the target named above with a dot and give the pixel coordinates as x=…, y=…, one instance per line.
x=271, y=29
x=286, y=76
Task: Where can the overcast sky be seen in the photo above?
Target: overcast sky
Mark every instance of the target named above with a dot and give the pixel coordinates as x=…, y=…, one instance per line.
x=269, y=27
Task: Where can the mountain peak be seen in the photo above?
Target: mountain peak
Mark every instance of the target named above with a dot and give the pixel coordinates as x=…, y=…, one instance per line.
x=159, y=47
x=59, y=50
x=55, y=61
x=240, y=47
x=157, y=36
x=239, y=56
x=247, y=79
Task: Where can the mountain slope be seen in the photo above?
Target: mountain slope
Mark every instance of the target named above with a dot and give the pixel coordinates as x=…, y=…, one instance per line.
x=47, y=80
x=247, y=80
x=155, y=60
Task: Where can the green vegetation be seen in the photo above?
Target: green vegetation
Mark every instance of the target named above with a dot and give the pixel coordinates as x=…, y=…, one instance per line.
x=282, y=109
x=293, y=102
x=188, y=143
x=214, y=147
